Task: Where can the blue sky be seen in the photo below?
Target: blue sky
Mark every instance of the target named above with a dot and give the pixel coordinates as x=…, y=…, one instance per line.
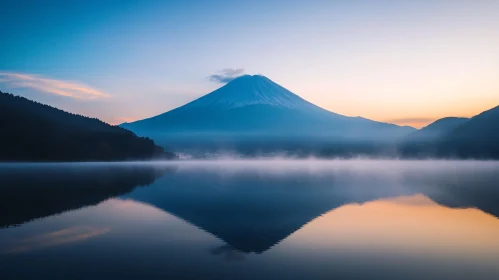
x=407, y=62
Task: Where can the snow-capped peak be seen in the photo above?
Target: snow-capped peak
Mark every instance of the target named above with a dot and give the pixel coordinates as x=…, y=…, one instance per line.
x=250, y=90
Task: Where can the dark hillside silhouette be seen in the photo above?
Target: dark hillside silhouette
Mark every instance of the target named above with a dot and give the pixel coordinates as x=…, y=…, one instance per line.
x=32, y=131
x=436, y=129
x=476, y=138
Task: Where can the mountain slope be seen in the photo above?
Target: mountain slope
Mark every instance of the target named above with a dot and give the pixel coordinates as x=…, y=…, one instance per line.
x=36, y=132
x=254, y=108
x=436, y=129
x=478, y=137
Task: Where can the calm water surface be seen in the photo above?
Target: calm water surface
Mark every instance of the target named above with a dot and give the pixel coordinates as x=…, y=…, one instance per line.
x=272, y=219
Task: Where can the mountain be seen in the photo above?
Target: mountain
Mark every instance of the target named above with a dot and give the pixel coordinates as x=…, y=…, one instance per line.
x=436, y=129
x=36, y=132
x=476, y=138
x=255, y=110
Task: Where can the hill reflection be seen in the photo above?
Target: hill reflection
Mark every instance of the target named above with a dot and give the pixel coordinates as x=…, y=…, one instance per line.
x=29, y=192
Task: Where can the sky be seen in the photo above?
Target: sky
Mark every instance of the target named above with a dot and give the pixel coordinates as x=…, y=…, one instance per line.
x=406, y=62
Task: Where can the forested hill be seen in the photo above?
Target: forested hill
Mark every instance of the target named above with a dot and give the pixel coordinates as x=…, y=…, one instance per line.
x=31, y=131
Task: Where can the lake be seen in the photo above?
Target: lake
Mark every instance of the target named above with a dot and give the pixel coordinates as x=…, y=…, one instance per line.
x=250, y=219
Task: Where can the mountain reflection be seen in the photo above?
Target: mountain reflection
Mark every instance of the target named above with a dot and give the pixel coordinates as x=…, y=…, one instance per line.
x=249, y=206
x=252, y=209
x=29, y=192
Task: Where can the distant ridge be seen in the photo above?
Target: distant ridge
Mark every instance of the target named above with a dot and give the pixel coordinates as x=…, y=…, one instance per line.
x=32, y=131
x=477, y=138
x=437, y=129
x=474, y=138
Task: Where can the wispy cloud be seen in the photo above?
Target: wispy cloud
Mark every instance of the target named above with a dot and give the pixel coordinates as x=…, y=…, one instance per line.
x=226, y=75
x=57, y=87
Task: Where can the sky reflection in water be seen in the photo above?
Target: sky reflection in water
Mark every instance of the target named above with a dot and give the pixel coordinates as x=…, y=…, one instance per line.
x=251, y=220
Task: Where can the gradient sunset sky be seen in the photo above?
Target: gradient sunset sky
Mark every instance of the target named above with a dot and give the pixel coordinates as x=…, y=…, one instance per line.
x=406, y=62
